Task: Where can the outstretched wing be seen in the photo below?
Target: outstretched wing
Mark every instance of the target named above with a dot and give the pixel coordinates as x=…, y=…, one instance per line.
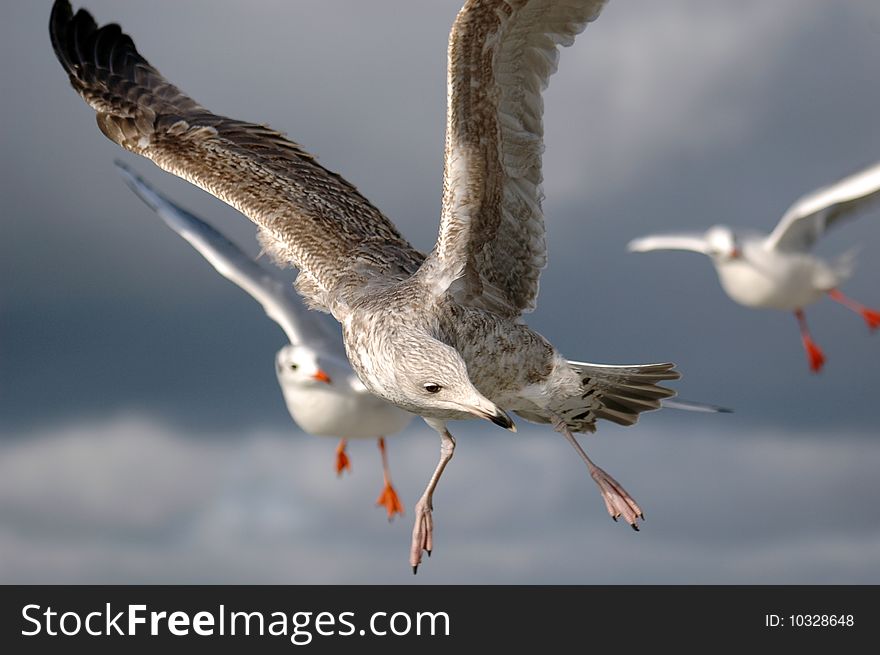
x=310, y=216
x=809, y=218
x=491, y=246
x=693, y=241
x=277, y=297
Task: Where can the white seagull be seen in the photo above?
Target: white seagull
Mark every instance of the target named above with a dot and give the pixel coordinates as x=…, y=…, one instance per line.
x=322, y=393
x=777, y=270
x=440, y=335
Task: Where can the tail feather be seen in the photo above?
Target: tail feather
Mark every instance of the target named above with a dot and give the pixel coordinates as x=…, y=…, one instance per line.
x=845, y=264
x=616, y=393
x=694, y=406
x=632, y=403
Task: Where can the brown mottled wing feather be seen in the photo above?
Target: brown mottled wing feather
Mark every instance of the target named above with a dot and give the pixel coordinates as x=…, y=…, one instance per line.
x=311, y=216
x=491, y=247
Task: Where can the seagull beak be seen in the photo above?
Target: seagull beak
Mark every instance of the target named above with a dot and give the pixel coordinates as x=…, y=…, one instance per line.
x=490, y=412
x=736, y=254
x=502, y=419
x=321, y=376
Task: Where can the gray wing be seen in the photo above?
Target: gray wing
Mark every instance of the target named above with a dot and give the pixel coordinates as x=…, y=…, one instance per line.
x=277, y=297
x=491, y=246
x=308, y=216
x=809, y=218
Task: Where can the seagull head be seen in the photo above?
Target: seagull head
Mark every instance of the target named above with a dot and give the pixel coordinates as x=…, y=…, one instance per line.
x=431, y=379
x=300, y=366
x=722, y=244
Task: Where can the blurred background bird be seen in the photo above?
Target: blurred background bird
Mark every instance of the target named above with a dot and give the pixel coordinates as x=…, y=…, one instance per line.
x=778, y=270
x=322, y=393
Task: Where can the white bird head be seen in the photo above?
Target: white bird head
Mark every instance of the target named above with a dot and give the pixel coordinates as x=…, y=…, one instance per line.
x=429, y=378
x=721, y=243
x=300, y=366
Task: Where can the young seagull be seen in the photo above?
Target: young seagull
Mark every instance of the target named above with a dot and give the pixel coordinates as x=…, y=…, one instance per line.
x=777, y=271
x=322, y=393
x=440, y=336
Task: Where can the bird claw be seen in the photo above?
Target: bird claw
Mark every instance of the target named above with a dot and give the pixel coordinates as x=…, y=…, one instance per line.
x=617, y=501
x=422, y=535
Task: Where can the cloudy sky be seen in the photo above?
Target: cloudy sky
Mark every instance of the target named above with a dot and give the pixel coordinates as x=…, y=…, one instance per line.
x=143, y=436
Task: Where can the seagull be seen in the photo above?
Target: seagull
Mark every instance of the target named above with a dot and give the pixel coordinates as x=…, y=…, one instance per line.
x=442, y=335
x=322, y=393
x=777, y=270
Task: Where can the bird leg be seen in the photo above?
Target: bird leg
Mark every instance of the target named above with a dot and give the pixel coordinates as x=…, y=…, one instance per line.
x=342, y=461
x=814, y=353
x=424, y=524
x=871, y=316
x=388, y=498
x=617, y=501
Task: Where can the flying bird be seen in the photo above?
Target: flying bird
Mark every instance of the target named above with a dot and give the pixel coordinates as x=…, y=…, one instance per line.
x=777, y=270
x=322, y=393
x=440, y=335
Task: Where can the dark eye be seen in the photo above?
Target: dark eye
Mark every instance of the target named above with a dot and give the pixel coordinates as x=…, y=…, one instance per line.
x=432, y=388
x=293, y=367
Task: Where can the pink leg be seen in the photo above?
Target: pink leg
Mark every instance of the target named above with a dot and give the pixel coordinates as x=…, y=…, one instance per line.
x=388, y=498
x=871, y=316
x=814, y=353
x=617, y=501
x=424, y=524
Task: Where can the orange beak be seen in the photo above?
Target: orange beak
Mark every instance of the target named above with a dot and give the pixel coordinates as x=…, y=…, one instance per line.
x=321, y=376
x=736, y=254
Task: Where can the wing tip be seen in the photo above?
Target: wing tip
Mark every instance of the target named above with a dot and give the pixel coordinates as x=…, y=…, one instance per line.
x=695, y=406
x=59, y=20
x=77, y=39
x=640, y=244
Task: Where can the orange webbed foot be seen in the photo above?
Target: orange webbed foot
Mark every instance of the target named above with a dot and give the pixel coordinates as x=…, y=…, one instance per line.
x=872, y=318
x=342, y=461
x=815, y=355
x=390, y=501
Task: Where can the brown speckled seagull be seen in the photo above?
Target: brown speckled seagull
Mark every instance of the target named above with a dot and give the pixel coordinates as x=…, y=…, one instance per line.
x=442, y=335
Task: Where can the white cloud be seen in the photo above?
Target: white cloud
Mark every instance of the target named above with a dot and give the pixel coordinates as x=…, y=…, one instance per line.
x=130, y=500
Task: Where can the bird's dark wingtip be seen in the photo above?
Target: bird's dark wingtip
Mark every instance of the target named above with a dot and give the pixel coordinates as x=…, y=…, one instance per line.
x=81, y=46
x=70, y=33
x=59, y=19
x=62, y=12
